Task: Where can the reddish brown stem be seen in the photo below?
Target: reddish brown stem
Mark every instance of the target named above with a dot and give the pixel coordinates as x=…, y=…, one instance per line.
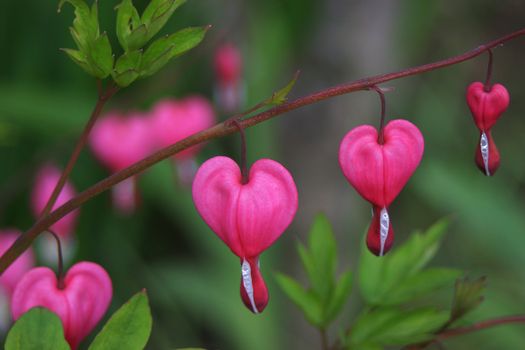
x=103, y=97
x=60, y=265
x=380, y=137
x=222, y=129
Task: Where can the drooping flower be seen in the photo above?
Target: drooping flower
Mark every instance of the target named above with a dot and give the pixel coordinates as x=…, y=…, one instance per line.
x=487, y=104
x=379, y=172
x=247, y=217
x=80, y=304
x=45, y=182
x=174, y=120
x=228, y=71
x=119, y=141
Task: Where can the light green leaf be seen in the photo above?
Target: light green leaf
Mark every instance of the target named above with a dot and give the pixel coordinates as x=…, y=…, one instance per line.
x=101, y=56
x=79, y=58
x=339, y=296
x=420, y=284
x=138, y=37
x=280, y=97
x=129, y=327
x=127, y=20
x=379, y=275
x=164, y=49
x=127, y=68
x=305, y=300
x=37, y=329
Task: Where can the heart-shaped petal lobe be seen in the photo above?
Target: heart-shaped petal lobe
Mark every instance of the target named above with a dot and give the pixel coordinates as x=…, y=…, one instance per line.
x=80, y=304
x=487, y=106
x=247, y=217
x=379, y=172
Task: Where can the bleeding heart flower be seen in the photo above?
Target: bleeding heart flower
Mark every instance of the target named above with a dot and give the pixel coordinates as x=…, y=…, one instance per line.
x=118, y=142
x=487, y=105
x=379, y=172
x=80, y=304
x=13, y=274
x=228, y=70
x=247, y=217
x=45, y=182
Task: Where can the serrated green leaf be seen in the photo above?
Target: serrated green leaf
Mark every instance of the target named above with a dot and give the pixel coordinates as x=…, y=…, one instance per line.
x=305, y=300
x=392, y=326
x=467, y=296
x=101, y=56
x=79, y=58
x=164, y=49
x=158, y=13
x=339, y=296
x=37, y=329
x=138, y=37
x=379, y=275
x=280, y=96
x=420, y=284
x=127, y=20
x=85, y=22
x=128, y=328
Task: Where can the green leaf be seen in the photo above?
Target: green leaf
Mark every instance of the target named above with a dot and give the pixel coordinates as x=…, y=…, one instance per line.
x=158, y=13
x=129, y=327
x=127, y=68
x=127, y=20
x=305, y=300
x=420, y=284
x=323, y=256
x=37, y=329
x=339, y=296
x=101, y=56
x=164, y=49
x=138, y=37
x=280, y=96
x=85, y=23
x=392, y=326
x=79, y=58
x=379, y=275
x=467, y=296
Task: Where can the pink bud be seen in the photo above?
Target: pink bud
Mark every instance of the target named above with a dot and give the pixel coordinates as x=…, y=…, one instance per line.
x=228, y=64
x=247, y=217
x=379, y=172
x=80, y=304
x=175, y=120
x=119, y=142
x=45, y=182
x=13, y=274
x=486, y=108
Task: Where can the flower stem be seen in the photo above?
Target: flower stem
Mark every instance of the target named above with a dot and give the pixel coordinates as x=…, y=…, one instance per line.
x=487, y=86
x=381, y=134
x=60, y=267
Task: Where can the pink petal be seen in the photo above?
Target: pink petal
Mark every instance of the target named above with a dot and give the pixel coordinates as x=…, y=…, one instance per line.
x=228, y=63
x=13, y=274
x=487, y=107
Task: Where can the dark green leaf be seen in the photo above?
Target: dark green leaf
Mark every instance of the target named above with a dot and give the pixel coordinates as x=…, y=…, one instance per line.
x=37, y=329
x=305, y=300
x=379, y=275
x=164, y=49
x=467, y=296
x=129, y=327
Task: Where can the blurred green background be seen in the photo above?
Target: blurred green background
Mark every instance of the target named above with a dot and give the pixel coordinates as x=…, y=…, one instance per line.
x=191, y=277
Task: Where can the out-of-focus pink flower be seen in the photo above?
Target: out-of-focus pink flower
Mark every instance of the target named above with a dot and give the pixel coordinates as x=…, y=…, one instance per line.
x=228, y=71
x=119, y=141
x=45, y=182
x=379, y=172
x=19, y=267
x=80, y=304
x=174, y=120
x=247, y=217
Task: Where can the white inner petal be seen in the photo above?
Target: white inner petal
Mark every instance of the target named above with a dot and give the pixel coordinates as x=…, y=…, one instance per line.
x=384, y=225
x=484, y=147
x=246, y=272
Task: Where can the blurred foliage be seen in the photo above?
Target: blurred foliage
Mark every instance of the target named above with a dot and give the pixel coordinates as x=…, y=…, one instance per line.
x=191, y=278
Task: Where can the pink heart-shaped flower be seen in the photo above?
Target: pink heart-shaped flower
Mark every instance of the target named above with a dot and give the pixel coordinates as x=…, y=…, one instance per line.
x=80, y=304
x=45, y=182
x=379, y=172
x=247, y=217
x=174, y=120
x=487, y=106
